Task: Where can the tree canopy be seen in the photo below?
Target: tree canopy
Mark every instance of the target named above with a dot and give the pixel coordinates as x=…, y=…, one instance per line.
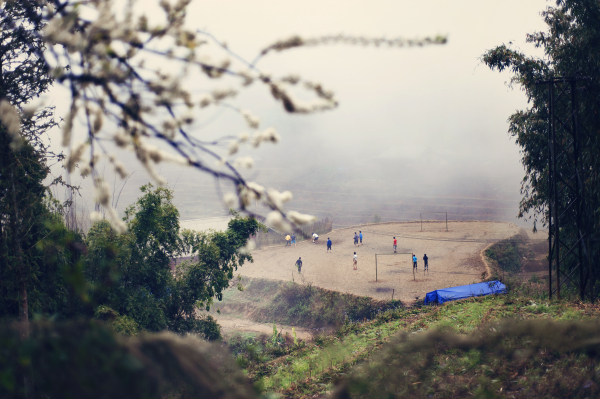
x=134, y=274
x=572, y=49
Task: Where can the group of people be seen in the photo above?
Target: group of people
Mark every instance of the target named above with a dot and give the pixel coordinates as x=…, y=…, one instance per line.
x=289, y=240
x=358, y=241
x=425, y=261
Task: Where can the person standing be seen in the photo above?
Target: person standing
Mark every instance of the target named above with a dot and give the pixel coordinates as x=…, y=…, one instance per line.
x=315, y=238
x=293, y=240
x=328, y=244
x=355, y=239
x=414, y=261
x=395, y=244
x=355, y=261
x=299, y=264
x=426, y=262
x=360, y=236
x=287, y=240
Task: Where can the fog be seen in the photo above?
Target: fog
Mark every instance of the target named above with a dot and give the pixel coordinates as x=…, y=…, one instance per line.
x=417, y=129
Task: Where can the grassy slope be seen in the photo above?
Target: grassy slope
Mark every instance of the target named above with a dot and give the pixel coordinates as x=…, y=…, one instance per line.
x=316, y=367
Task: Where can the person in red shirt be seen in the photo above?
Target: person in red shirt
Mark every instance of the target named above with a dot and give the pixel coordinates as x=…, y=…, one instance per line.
x=395, y=244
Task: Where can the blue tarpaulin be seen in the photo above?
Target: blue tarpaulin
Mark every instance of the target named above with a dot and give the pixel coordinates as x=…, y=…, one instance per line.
x=465, y=291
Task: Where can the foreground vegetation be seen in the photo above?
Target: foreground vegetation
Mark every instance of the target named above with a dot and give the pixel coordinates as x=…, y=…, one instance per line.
x=482, y=347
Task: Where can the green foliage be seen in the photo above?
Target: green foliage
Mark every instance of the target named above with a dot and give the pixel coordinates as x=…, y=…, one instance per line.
x=508, y=254
x=122, y=324
x=376, y=218
x=131, y=273
x=87, y=360
x=542, y=359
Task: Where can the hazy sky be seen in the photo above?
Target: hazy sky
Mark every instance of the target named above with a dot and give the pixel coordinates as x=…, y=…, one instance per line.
x=436, y=104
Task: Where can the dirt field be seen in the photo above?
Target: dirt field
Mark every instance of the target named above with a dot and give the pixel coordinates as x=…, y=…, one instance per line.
x=454, y=258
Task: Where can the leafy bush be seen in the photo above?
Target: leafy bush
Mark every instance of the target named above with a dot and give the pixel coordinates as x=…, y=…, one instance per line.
x=308, y=306
x=88, y=360
x=508, y=254
x=131, y=273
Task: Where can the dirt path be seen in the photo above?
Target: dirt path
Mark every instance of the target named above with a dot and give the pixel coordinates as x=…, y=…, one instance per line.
x=454, y=258
x=231, y=325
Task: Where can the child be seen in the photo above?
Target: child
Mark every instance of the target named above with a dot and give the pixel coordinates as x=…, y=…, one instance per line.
x=395, y=244
x=293, y=240
x=287, y=240
x=299, y=264
x=360, y=236
x=355, y=263
x=414, y=261
x=355, y=239
x=426, y=262
x=328, y=244
x=315, y=238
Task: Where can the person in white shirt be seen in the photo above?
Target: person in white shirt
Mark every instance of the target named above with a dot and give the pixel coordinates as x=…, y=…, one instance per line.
x=355, y=263
x=315, y=238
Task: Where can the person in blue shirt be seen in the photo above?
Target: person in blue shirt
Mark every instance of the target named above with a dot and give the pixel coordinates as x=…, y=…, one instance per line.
x=360, y=236
x=414, y=261
x=355, y=239
x=328, y=244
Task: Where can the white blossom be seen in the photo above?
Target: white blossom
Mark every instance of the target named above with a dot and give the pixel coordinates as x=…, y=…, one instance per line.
x=256, y=187
x=234, y=146
x=244, y=137
x=246, y=249
x=95, y=217
x=76, y=154
x=230, y=199
x=85, y=171
x=11, y=121
x=222, y=94
x=251, y=192
x=119, y=167
x=205, y=101
x=116, y=222
x=269, y=134
x=277, y=199
x=102, y=192
x=121, y=139
x=244, y=162
x=252, y=120
x=300, y=218
x=277, y=222
x=247, y=77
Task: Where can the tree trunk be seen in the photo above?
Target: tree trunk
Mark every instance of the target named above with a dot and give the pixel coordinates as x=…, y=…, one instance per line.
x=15, y=225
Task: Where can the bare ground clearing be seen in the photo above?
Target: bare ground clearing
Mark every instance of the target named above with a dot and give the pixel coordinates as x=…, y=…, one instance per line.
x=454, y=258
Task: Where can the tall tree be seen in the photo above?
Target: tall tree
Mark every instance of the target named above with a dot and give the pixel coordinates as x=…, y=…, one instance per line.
x=572, y=48
x=23, y=159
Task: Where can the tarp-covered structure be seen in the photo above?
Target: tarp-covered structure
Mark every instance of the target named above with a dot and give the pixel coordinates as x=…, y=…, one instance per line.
x=465, y=291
